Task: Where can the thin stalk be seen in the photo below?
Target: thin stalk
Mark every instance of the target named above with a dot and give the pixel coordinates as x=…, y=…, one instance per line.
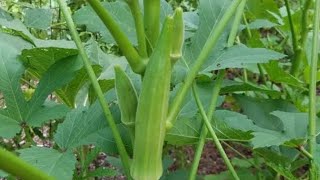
x=121, y=148
x=138, y=20
x=204, y=130
x=305, y=153
x=136, y=62
x=236, y=24
x=152, y=22
x=299, y=54
x=215, y=94
x=213, y=134
x=293, y=33
x=204, y=54
x=12, y=164
x=313, y=89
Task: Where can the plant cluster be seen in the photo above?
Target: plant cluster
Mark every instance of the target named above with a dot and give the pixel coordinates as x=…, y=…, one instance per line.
x=129, y=78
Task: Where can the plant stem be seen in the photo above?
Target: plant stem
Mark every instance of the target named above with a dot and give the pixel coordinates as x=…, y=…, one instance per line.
x=299, y=54
x=215, y=94
x=17, y=167
x=293, y=33
x=313, y=90
x=204, y=130
x=213, y=134
x=136, y=62
x=152, y=22
x=203, y=56
x=121, y=148
x=138, y=20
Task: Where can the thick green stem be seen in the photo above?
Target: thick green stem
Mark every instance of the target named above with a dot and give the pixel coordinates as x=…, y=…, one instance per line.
x=313, y=90
x=204, y=130
x=300, y=54
x=152, y=22
x=137, y=63
x=204, y=54
x=121, y=148
x=213, y=134
x=12, y=164
x=236, y=24
x=138, y=20
x=293, y=33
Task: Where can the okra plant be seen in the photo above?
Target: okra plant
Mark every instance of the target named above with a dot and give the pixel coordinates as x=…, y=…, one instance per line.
x=134, y=78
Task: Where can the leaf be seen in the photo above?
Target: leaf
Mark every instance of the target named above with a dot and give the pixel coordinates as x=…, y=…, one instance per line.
x=69, y=92
x=10, y=73
x=210, y=13
x=120, y=13
x=15, y=41
x=227, y=125
x=294, y=127
x=233, y=86
x=239, y=56
x=278, y=75
x=56, y=164
x=84, y=126
x=16, y=27
x=260, y=23
x=102, y=172
x=58, y=75
x=243, y=173
x=38, y=18
x=49, y=110
x=277, y=162
x=5, y=15
x=8, y=127
x=258, y=110
x=39, y=59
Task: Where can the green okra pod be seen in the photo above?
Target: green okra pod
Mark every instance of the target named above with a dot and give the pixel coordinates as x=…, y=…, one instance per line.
x=152, y=110
x=127, y=98
x=177, y=44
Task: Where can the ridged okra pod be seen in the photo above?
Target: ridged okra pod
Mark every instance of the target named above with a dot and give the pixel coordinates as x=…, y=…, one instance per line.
x=127, y=99
x=178, y=34
x=152, y=110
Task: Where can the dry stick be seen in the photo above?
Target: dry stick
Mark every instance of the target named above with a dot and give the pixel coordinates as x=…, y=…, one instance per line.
x=121, y=148
x=313, y=91
x=215, y=94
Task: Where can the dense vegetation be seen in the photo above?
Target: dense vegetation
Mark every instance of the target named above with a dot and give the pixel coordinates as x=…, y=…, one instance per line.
x=136, y=80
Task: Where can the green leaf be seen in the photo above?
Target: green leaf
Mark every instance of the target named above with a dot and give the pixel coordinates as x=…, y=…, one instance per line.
x=262, y=9
x=239, y=56
x=16, y=27
x=258, y=110
x=233, y=86
x=260, y=23
x=118, y=10
x=278, y=75
x=38, y=18
x=277, y=162
x=102, y=172
x=227, y=125
x=39, y=59
x=15, y=41
x=69, y=92
x=5, y=15
x=294, y=127
x=56, y=164
x=49, y=110
x=84, y=126
x=11, y=70
x=8, y=127
x=210, y=13
x=243, y=173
